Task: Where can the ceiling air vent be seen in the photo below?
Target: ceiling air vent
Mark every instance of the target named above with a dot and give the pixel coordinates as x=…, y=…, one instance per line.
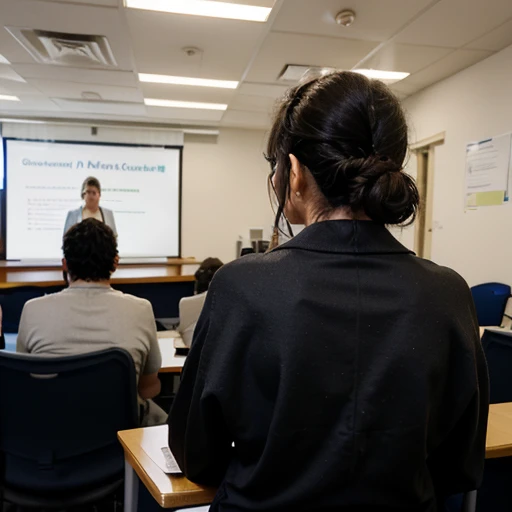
x=77, y=50
x=298, y=73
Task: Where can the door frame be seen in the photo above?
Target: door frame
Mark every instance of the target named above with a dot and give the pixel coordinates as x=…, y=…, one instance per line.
x=425, y=155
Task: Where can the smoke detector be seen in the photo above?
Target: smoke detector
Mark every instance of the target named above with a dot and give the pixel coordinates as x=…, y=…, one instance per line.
x=191, y=51
x=345, y=17
x=63, y=49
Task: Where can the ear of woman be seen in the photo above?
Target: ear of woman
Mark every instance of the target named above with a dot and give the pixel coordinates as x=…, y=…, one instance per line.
x=295, y=208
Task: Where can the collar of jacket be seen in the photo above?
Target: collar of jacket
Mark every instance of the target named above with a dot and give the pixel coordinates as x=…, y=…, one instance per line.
x=346, y=237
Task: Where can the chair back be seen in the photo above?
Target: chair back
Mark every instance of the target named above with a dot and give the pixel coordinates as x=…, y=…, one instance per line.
x=490, y=300
x=59, y=418
x=498, y=351
x=507, y=315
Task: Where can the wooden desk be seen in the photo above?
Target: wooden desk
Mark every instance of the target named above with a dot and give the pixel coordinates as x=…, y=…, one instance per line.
x=169, y=491
x=171, y=363
x=57, y=264
x=140, y=274
x=176, y=491
x=499, y=431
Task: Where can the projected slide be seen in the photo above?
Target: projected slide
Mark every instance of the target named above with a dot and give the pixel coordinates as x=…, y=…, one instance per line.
x=141, y=185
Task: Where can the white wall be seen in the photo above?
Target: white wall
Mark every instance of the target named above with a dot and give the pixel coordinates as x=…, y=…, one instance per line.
x=224, y=193
x=472, y=105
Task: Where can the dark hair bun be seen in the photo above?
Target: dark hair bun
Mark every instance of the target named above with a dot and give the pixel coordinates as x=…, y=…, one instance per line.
x=351, y=135
x=383, y=191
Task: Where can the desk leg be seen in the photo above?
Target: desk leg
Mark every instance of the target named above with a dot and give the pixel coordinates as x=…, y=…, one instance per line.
x=131, y=488
x=469, y=503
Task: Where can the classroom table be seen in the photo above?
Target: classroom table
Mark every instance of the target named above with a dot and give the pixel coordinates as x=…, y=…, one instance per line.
x=169, y=491
x=171, y=363
x=16, y=274
x=499, y=431
x=172, y=491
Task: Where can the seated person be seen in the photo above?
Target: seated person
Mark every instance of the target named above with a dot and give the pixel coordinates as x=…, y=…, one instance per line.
x=90, y=315
x=191, y=307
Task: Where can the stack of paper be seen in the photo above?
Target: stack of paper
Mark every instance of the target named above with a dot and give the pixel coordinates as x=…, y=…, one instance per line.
x=155, y=443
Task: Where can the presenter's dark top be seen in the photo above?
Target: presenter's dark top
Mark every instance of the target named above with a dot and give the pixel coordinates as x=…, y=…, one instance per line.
x=347, y=372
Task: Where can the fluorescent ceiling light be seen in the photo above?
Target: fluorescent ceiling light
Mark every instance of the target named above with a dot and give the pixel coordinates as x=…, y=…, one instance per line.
x=208, y=8
x=385, y=76
x=200, y=131
x=20, y=121
x=183, y=80
x=6, y=97
x=3, y=60
x=184, y=104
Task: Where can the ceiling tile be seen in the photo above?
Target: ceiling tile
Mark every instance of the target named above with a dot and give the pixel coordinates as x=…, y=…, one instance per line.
x=245, y=119
x=405, y=57
x=73, y=90
x=7, y=73
x=401, y=95
x=18, y=88
x=83, y=76
x=266, y=90
x=183, y=93
x=252, y=103
x=158, y=39
x=453, y=63
x=405, y=87
x=280, y=49
x=495, y=40
x=103, y=3
x=376, y=20
x=184, y=114
x=29, y=105
x=64, y=17
x=454, y=23
x=131, y=109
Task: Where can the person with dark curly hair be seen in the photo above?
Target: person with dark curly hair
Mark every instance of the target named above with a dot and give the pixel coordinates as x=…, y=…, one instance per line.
x=93, y=316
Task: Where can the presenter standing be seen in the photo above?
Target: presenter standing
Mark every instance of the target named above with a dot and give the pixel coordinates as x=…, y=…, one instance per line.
x=91, y=194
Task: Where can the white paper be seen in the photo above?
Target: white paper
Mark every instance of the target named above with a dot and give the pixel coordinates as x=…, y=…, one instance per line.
x=487, y=165
x=499, y=330
x=155, y=442
x=507, y=316
x=169, y=357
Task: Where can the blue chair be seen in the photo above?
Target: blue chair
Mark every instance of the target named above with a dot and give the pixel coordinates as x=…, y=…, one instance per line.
x=498, y=352
x=59, y=419
x=490, y=300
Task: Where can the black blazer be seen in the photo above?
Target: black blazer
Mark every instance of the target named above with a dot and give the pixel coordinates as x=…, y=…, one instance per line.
x=338, y=372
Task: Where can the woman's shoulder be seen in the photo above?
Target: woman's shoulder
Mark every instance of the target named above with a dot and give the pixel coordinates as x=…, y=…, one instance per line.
x=75, y=211
x=252, y=271
x=441, y=273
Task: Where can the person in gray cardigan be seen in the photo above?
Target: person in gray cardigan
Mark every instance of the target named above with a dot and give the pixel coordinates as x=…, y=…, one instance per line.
x=91, y=194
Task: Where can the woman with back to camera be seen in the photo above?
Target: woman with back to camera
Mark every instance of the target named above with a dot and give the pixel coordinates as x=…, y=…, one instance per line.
x=190, y=307
x=338, y=371
x=91, y=194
